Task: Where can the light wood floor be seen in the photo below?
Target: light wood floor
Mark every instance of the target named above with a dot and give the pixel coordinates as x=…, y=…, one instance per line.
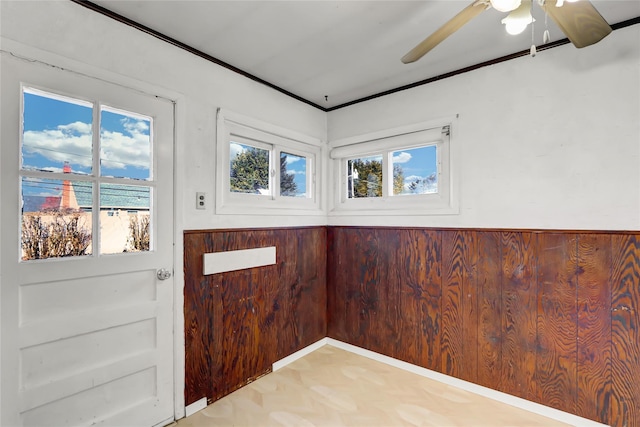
x=333, y=387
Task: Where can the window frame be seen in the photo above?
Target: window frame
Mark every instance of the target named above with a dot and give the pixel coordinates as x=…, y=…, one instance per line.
x=254, y=132
x=438, y=133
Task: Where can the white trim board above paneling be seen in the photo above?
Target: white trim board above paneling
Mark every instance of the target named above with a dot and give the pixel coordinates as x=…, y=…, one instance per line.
x=220, y=262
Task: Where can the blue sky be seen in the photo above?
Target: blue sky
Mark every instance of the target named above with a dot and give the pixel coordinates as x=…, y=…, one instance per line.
x=56, y=129
x=298, y=166
x=416, y=163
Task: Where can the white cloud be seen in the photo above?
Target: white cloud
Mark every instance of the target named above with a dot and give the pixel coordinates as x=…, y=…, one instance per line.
x=119, y=150
x=292, y=159
x=403, y=157
x=235, y=149
x=71, y=142
x=422, y=185
x=77, y=127
x=135, y=126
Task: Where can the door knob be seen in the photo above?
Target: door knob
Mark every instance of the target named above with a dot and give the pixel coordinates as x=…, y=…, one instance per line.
x=163, y=274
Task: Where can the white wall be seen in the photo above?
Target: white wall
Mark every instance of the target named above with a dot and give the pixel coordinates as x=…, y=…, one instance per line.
x=545, y=142
x=76, y=33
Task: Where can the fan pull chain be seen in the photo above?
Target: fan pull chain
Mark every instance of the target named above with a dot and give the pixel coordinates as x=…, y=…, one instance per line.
x=532, y=51
x=546, y=38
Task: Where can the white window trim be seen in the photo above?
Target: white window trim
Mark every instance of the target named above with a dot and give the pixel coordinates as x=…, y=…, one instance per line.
x=440, y=132
x=260, y=134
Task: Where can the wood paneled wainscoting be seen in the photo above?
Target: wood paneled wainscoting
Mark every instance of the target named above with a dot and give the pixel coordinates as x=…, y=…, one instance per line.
x=238, y=323
x=549, y=316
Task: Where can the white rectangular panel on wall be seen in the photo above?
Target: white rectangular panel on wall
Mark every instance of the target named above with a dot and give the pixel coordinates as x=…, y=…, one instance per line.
x=220, y=262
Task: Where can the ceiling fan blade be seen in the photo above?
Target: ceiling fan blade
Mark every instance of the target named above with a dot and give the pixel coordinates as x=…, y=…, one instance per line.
x=580, y=21
x=453, y=25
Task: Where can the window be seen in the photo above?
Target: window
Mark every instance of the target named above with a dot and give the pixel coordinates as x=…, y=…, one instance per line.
x=406, y=169
x=85, y=183
x=263, y=168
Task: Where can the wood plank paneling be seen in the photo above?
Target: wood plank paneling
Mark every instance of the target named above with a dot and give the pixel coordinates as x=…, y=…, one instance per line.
x=556, y=368
x=336, y=289
x=549, y=316
x=625, y=331
x=353, y=272
x=198, y=325
x=238, y=323
x=410, y=272
x=452, y=341
x=239, y=349
x=267, y=326
x=429, y=304
x=552, y=317
x=385, y=331
x=489, y=282
x=288, y=332
x=519, y=314
x=373, y=267
x=307, y=304
x=218, y=383
x=470, y=307
x=594, y=327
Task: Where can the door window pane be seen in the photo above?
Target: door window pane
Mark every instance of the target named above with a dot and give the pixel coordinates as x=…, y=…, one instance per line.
x=124, y=218
x=364, y=177
x=57, y=203
x=56, y=132
x=415, y=171
x=54, y=223
x=293, y=175
x=249, y=169
x=125, y=144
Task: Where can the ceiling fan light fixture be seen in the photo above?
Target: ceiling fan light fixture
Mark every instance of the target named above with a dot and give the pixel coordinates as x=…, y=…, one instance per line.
x=518, y=20
x=559, y=3
x=505, y=5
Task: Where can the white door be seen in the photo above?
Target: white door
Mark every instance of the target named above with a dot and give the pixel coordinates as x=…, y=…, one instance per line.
x=87, y=332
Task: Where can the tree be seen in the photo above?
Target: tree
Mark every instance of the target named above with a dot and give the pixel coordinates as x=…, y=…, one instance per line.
x=369, y=181
x=288, y=187
x=54, y=234
x=424, y=185
x=139, y=233
x=250, y=171
x=398, y=179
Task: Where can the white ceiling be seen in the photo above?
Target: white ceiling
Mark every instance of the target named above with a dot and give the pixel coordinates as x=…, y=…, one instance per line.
x=344, y=50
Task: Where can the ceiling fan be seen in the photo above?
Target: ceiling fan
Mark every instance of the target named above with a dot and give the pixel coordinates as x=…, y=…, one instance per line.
x=579, y=21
